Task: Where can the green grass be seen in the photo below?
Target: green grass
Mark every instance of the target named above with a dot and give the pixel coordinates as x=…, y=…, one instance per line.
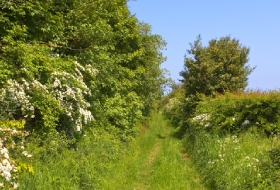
x=234, y=162
x=155, y=161
x=57, y=167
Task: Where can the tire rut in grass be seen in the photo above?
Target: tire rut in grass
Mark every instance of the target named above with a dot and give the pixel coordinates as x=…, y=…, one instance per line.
x=155, y=161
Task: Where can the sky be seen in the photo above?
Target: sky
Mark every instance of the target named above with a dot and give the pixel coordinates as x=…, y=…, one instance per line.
x=255, y=23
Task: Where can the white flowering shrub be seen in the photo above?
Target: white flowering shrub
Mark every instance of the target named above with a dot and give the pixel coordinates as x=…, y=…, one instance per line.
x=70, y=90
x=63, y=95
x=14, y=97
x=202, y=119
x=13, y=157
x=233, y=113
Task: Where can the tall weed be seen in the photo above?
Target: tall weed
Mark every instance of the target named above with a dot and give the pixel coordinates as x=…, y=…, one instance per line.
x=58, y=166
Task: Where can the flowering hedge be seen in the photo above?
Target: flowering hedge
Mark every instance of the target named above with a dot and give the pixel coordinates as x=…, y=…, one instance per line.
x=234, y=140
x=233, y=113
x=66, y=66
x=62, y=95
x=13, y=157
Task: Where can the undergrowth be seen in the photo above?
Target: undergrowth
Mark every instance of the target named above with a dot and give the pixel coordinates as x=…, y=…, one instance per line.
x=234, y=140
x=57, y=165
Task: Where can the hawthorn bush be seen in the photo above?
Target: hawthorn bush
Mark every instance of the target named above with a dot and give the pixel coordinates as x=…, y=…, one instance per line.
x=68, y=66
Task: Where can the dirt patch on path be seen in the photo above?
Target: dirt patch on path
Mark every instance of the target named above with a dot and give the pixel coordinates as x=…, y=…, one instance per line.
x=147, y=173
x=154, y=153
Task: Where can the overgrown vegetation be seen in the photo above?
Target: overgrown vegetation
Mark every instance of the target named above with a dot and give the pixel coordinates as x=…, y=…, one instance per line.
x=231, y=135
x=69, y=69
x=153, y=161
x=77, y=80
x=233, y=139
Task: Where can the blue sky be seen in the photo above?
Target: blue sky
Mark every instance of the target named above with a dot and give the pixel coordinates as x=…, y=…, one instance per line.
x=255, y=23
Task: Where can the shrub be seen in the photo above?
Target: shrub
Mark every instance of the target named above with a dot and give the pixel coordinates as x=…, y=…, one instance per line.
x=14, y=159
x=235, y=113
x=233, y=140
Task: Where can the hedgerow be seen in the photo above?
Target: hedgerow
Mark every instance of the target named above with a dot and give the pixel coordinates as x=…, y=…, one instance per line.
x=234, y=140
x=66, y=67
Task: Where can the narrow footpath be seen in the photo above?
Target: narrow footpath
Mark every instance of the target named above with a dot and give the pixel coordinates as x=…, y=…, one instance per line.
x=155, y=161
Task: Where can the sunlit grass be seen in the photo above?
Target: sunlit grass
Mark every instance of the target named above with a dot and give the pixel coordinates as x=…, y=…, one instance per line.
x=155, y=161
x=79, y=168
x=233, y=162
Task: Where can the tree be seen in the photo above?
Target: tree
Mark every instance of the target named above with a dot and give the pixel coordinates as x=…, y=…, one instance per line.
x=75, y=60
x=217, y=68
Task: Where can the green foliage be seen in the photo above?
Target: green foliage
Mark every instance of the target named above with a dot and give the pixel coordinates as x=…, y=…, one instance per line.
x=81, y=167
x=233, y=162
x=87, y=58
x=217, y=68
x=67, y=67
x=233, y=139
x=172, y=105
x=235, y=113
x=13, y=158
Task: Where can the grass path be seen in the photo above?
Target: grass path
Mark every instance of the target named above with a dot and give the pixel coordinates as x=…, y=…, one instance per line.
x=154, y=161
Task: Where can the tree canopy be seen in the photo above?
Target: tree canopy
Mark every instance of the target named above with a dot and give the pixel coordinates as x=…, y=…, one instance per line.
x=217, y=68
x=64, y=64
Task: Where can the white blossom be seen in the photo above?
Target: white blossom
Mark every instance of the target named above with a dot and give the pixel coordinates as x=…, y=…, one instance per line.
x=246, y=122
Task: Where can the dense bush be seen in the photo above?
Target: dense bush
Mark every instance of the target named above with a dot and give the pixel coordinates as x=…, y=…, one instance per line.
x=87, y=59
x=172, y=105
x=235, y=113
x=233, y=140
x=66, y=67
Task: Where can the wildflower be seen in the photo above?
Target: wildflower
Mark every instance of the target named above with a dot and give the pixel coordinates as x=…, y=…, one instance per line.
x=14, y=132
x=201, y=117
x=7, y=175
x=255, y=159
x=234, y=137
x=207, y=125
x=4, y=150
x=246, y=122
x=6, y=155
x=15, y=185
x=25, y=153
